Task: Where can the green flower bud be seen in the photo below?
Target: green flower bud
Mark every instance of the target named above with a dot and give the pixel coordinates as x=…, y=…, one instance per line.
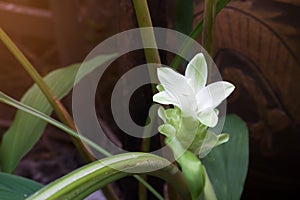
x=190, y=133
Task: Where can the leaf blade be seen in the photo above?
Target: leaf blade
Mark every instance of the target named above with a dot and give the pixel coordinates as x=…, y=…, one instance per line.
x=16, y=187
x=87, y=179
x=184, y=16
x=26, y=129
x=10, y=101
x=227, y=164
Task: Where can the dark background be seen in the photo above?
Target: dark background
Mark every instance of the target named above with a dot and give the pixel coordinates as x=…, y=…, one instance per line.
x=256, y=47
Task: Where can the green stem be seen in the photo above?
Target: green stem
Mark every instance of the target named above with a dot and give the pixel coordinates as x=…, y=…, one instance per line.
x=208, y=30
x=148, y=37
x=208, y=25
x=148, y=186
x=194, y=35
x=191, y=167
x=29, y=68
x=58, y=107
x=152, y=56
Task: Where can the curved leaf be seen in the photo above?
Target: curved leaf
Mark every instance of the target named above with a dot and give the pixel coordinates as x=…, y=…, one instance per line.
x=227, y=164
x=89, y=178
x=9, y=101
x=16, y=187
x=26, y=129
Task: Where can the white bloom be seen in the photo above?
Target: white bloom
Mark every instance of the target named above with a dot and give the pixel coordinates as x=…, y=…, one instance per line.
x=190, y=93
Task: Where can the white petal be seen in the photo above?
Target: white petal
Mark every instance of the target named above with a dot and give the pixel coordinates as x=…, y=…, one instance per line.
x=213, y=94
x=164, y=98
x=208, y=118
x=173, y=81
x=196, y=72
x=204, y=100
x=176, y=86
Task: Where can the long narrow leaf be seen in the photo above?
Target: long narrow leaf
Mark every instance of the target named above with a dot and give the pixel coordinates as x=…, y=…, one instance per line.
x=227, y=164
x=37, y=114
x=26, y=129
x=9, y=101
x=174, y=178
x=16, y=187
x=82, y=182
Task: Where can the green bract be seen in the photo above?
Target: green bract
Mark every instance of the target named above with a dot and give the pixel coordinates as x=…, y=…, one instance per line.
x=190, y=93
x=190, y=133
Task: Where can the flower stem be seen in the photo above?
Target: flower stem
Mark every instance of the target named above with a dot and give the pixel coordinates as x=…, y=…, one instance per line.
x=208, y=25
x=208, y=30
x=152, y=56
x=144, y=20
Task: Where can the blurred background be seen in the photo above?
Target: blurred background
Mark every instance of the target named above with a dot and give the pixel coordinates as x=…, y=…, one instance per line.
x=256, y=46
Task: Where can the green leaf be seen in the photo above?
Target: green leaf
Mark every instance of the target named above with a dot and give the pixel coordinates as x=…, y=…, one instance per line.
x=194, y=35
x=221, y=4
x=208, y=190
x=227, y=164
x=29, y=110
x=16, y=187
x=9, y=101
x=89, y=178
x=26, y=129
x=184, y=16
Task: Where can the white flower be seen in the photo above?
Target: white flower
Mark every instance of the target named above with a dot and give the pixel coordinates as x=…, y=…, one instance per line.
x=190, y=93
